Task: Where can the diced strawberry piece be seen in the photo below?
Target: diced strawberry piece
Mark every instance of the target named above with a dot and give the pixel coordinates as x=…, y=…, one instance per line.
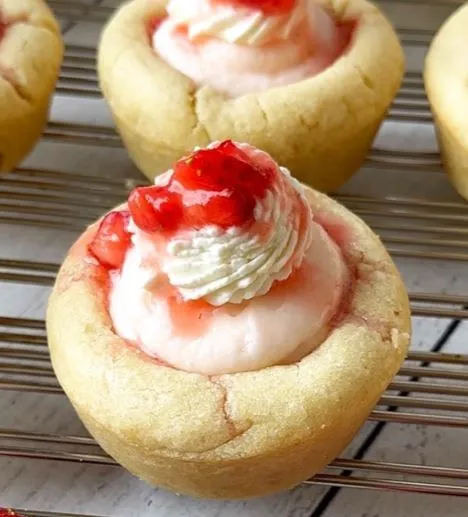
x=270, y=7
x=224, y=167
x=253, y=175
x=213, y=170
x=217, y=186
x=155, y=208
x=112, y=240
x=225, y=210
x=230, y=148
x=6, y=512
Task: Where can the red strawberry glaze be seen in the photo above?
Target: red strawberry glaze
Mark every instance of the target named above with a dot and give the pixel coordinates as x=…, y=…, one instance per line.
x=155, y=209
x=269, y=7
x=338, y=231
x=189, y=318
x=346, y=30
x=342, y=235
x=6, y=512
x=111, y=242
x=87, y=268
x=3, y=29
x=153, y=24
x=217, y=186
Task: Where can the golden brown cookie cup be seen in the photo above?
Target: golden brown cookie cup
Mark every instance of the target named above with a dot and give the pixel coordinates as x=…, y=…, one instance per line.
x=329, y=120
x=31, y=53
x=446, y=81
x=237, y=435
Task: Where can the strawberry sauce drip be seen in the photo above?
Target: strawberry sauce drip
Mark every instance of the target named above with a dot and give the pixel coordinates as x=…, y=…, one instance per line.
x=152, y=25
x=346, y=30
x=189, y=318
x=268, y=7
x=3, y=29
x=217, y=186
x=337, y=229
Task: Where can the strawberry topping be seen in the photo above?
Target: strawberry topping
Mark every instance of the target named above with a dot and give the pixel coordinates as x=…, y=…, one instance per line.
x=346, y=30
x=152, y=25
x=217, y=186
x=268, y=7
x=112, y=240
x=233, y=208
x=3, y=29
x=6, y=512
x=155, y=208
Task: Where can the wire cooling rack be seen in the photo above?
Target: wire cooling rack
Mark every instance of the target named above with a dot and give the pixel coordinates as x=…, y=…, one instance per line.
x=431, y=389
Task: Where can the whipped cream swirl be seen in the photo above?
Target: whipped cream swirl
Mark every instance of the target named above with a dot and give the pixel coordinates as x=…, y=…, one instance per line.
x=238, y=264
x=235, y=24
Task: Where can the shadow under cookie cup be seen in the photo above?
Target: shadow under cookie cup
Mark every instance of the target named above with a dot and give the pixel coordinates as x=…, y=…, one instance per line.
x=330, y=119
x=235, y=435
x=31, y=52
x=446, y=78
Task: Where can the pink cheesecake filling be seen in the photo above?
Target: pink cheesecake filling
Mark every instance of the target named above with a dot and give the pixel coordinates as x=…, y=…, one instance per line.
x=221, y=267
x=238, y=50
x=282, y=326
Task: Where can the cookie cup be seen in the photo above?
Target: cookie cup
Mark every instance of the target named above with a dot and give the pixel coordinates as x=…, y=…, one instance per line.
x=446, y=79
x=31, y=52
x=330, y=119
x=236, y=435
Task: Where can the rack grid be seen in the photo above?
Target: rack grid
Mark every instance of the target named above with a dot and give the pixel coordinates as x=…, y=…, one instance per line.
x=431, y=389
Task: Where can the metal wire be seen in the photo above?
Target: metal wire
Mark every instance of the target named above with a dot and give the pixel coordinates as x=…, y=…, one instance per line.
x=410, y=227
x=79, y=78
x=98, y=136
x=78, y=449
x=430, y=389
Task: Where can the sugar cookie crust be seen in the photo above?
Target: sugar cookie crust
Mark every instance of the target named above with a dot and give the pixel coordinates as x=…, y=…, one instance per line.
x=236, y=435
x=446, y=81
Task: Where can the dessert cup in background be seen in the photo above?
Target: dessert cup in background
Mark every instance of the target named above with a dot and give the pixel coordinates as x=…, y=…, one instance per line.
x=31, y=51
x=446, y=78
x=327, y=114
x=226, y=332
